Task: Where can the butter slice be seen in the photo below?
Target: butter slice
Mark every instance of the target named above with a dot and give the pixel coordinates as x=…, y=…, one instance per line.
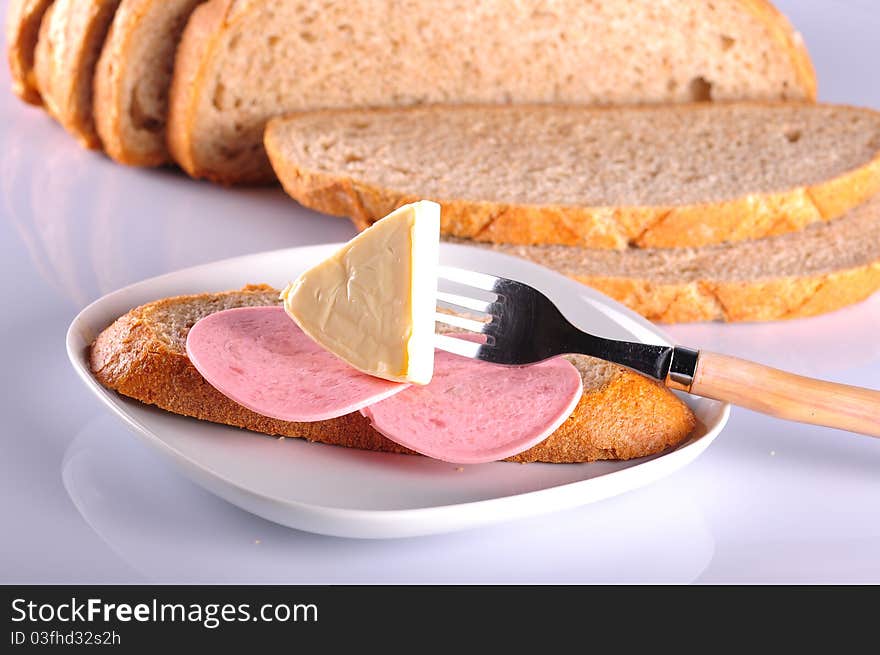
x=373, y=302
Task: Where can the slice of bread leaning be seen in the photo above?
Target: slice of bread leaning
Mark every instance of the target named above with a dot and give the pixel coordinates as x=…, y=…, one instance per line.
x=653, y=177
x=133, y=77
x=242, y=62
x=822, y=268
x=23, y=19
x=142, y=355
x=71, y=37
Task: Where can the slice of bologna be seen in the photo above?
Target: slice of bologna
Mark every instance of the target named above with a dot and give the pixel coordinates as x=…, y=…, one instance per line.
x=258, y=357
x=474, y=412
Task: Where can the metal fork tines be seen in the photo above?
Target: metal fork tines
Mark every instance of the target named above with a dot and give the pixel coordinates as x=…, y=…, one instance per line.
x=519, y=325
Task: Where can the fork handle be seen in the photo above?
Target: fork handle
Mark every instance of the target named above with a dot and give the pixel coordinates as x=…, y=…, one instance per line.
x=785, y=395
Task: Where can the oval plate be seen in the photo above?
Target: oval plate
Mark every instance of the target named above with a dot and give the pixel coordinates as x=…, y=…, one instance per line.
x=352, y=493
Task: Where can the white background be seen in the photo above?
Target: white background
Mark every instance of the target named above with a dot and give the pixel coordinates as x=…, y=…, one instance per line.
x=81, y=500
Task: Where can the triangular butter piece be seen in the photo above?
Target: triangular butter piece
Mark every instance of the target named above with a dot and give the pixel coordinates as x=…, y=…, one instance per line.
x=372, y=303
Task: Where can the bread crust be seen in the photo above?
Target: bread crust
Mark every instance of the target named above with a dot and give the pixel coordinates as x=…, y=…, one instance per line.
x=197, y=45
x=23, y=18
x=111, y=86
x=204, y=32
x=112, y=68
x=759, y=300
x=751, y=216
x=628, y=416
x=790, y=39
x=783, y=32
x=65, y=63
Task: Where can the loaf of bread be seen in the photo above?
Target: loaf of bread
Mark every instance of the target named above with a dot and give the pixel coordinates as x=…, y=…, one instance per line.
x=822, y=268
x=133, y=77
x=654, y=177
x=23, y=18
x=142, y=355
x=242, y=62
x=71, y=37
x=682, y=211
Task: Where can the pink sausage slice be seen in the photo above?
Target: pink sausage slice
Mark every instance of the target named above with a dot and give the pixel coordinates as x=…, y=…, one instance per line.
x=258, y=357
x=473, y=412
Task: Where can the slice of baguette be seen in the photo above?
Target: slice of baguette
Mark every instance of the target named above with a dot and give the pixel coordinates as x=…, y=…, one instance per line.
x=658, y=177
x=242, y=62
x=142, y=355
x=71, y=37
x=825, y=267
x=133, y=77
x=23, y=19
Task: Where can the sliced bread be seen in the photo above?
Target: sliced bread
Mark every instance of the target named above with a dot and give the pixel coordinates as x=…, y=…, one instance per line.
x=71, y=37
x=658, y=177
x=822, y=268
x=242, y=62
x=23, y=19
x=142, y=355
x=133, y=77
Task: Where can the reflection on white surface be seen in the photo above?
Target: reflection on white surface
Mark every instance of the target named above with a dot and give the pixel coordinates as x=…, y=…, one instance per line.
x=169, y=529
x=791, y=505
x=819, y=346
x=91, y=226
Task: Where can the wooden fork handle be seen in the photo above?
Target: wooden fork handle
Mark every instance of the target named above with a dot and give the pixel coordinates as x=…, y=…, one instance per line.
x=785, y=395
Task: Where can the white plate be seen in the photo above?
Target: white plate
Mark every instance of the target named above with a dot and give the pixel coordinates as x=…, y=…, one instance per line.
x=352, y=493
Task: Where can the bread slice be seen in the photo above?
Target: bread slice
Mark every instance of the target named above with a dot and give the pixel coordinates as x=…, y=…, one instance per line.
x=71, y=37
x=142, y=355
x=822, y=268
x=658, y=177
x=133, y=78
x=242, y=62
x=23, y=19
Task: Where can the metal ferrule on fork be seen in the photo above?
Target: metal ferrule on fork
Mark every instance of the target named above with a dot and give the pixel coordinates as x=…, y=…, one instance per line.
x=682, y=368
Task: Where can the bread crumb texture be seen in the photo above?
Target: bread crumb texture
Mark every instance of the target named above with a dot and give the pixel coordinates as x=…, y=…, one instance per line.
x=71, y=37
x=651, y=177
x=133, y=79
x=243, y=62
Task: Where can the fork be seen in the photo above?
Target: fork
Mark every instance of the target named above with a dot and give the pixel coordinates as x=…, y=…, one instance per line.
x=524, y=327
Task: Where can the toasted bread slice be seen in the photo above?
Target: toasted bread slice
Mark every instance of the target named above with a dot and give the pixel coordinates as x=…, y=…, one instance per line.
x=653, y=177
x=71, y=37
x=23, y=18
x=822, y=268
x=142, y=355
x=133, y=78
x=242, y=62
